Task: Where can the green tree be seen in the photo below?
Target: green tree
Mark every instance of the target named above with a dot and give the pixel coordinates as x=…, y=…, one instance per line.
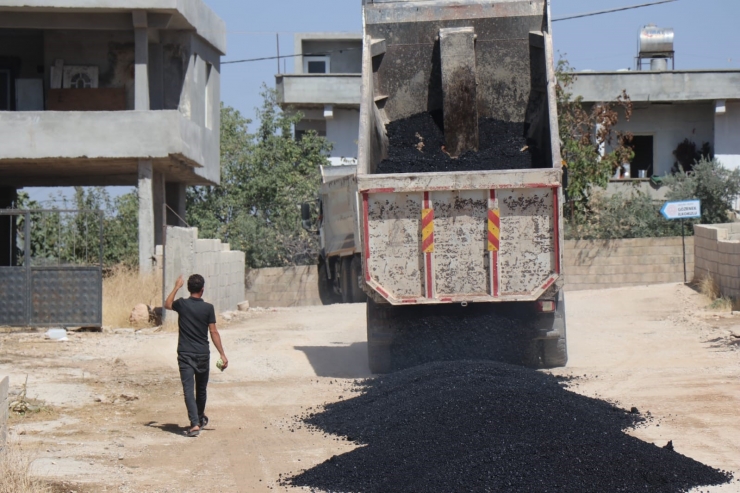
x=265, y=176
x=716, y=186
x=62, y=237
x=591, y=149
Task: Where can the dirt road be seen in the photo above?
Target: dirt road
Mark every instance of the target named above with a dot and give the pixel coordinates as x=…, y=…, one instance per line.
x=115, y=403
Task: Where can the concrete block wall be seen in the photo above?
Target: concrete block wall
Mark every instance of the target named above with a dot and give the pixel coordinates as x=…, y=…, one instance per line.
x=589, y=264
x=283, y=286
x=222, y=268
x=717, y=252
x=600, y=264
x=4, y=384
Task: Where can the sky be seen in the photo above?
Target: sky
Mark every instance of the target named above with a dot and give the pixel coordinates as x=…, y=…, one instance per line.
x=706, y=37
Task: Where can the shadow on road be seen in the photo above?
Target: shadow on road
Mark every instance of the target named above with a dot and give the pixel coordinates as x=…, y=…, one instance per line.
x=168, y=427
x=338, y=361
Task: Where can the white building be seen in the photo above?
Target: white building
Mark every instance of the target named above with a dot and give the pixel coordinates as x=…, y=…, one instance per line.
x=699, y=105
x=325, y=88
x=702, y=106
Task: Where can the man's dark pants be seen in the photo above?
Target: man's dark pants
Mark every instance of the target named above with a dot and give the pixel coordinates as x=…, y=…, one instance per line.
x=194, y=369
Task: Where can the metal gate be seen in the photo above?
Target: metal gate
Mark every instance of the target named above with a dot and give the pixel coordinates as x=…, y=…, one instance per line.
x=51, y=268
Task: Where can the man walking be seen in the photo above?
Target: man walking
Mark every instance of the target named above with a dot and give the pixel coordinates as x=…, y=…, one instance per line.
x=196, y=319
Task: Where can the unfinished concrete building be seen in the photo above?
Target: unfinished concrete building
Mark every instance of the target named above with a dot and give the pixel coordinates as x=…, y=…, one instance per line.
x=325, y=87
x=111, y=92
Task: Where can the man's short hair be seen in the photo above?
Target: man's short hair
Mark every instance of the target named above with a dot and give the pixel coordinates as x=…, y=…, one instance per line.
x=196, y=283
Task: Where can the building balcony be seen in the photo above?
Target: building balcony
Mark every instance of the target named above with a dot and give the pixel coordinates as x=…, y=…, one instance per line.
x=51, y=148
x=318, y=89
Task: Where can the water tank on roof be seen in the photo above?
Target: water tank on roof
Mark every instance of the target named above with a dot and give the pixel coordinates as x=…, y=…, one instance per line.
x=655, y=40
x=659, y=64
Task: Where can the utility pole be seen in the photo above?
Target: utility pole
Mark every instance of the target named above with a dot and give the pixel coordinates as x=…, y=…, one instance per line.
x=277, y=38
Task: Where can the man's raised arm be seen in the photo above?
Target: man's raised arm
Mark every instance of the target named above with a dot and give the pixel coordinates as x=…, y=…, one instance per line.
x=171, y=298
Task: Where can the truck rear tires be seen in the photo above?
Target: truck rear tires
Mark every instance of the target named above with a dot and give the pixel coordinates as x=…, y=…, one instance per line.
x=379, y=336
x=358, y=295
x=550, y=347
x=345, y=279
x=555, y=352
x=555, y=349
x=326, y=290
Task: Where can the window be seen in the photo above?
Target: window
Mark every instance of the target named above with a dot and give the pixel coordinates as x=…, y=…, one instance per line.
x=300, y=133
x=303, y=126
x=316, y=64
x=643, y=161
x=5, y=90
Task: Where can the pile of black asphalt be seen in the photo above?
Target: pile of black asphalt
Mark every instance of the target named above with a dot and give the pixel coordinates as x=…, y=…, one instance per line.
x=417, y=145
x=473, y=426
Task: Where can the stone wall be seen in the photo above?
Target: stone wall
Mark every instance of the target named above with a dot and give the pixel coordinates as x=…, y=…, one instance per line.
x=4, y=383
x=718, y=256
x=600, y=264
x=283, y=286
x=592, y=264
x=222, y=268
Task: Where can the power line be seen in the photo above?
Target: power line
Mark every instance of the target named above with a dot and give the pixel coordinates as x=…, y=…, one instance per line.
x=264, y=58
x=591, y=14
x=576, y=16
x=288, y=56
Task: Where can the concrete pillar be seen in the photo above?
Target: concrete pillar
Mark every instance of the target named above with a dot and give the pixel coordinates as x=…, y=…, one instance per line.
x=141, y=61
x=8, y=236
x=158, y=201
x=146, y=216
x=176, y=202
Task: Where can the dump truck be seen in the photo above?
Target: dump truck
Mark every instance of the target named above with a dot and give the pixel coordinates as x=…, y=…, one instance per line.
x=340, y=278
x=450, y=233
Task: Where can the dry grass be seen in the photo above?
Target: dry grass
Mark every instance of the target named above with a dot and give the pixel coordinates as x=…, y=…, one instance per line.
x=15, y=475
x=709, y=288
x=123, y=289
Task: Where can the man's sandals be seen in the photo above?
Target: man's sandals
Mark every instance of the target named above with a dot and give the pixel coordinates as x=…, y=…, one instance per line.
x=194, y=433
x=191, y=433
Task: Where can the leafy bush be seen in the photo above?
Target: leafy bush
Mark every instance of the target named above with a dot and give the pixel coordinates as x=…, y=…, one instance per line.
x=687, y=155
x=622, y=216
x=716, y=186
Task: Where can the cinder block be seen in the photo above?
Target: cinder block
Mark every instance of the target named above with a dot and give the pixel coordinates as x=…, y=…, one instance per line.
x=725, y=247
x=202, y=246
x=707, y=243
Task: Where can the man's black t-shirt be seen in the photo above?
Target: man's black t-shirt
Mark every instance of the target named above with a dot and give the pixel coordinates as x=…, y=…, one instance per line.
x=195, y=316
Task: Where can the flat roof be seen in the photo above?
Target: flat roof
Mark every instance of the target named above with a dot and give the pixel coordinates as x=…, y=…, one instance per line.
x=187, y=14
x=329, y=36
x=652, y=86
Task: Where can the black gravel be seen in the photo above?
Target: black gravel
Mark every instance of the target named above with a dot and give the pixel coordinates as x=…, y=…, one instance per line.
x=501, y=147
x=490, y=427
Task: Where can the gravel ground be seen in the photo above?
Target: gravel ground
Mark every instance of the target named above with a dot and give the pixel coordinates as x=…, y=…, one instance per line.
x=500, y=147
x=481, y=426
